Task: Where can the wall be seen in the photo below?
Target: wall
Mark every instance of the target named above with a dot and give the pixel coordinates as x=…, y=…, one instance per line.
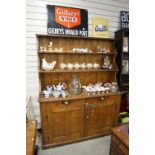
x=36, y=22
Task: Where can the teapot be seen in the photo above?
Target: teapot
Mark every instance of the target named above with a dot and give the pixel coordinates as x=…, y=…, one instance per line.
x=46, y=93
x=60, y=87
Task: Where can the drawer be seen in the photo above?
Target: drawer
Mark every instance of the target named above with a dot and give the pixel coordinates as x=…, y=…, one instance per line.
x=65, y=103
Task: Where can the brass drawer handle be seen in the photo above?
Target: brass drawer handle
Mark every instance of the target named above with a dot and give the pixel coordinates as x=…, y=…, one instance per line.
x=66, y=102
x=102, y=98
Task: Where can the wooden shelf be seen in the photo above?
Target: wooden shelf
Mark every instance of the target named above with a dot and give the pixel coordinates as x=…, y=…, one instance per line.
x=90, y=53
x=80, y=70
x=75, y=97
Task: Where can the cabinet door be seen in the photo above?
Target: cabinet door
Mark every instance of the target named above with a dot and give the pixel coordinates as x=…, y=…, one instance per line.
x=110, y=112
x=57, y=124
x=65, y=121
x=93, y=114
x=100, y=115
x=75, y=119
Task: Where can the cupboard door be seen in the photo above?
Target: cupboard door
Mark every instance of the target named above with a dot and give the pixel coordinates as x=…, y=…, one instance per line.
x=75, y=119
x=93, y=113
x=108, y=113
x=57, y=124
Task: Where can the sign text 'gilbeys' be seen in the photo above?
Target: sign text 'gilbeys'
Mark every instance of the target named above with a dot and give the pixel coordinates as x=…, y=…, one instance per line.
x=67, y=17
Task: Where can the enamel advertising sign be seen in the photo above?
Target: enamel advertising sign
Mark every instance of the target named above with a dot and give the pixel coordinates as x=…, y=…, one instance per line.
x=67, y=21
x=124, y=19
x=100, y=27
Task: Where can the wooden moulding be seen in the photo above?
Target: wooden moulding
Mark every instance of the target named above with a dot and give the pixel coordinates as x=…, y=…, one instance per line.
x=75, y=97
x=75, y=37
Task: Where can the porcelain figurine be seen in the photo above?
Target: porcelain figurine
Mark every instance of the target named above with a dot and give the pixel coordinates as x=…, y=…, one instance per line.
x=107, y=64
x=44, y=49
x=48, y=66
x=70, y=66
x=63, y=66
x=50, y=46
x=41, y=48
x=76, y=65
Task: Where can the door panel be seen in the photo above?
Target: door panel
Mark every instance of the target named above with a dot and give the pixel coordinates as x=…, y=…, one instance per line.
x=57, y=121
x=75, y=121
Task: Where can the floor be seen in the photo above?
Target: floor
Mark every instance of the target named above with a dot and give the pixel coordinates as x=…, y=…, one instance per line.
x=98, y=146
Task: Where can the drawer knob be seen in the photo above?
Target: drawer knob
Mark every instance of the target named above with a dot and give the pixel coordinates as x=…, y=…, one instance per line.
x=66, y=102
x=102, y=98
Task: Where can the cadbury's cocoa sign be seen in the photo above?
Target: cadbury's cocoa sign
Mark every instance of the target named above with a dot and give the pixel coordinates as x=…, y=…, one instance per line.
x=67, y=21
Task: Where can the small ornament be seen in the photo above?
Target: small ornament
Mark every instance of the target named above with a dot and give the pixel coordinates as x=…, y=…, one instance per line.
x=50, y=47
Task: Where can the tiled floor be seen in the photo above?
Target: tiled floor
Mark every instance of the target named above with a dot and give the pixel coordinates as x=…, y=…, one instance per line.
x=98, y=146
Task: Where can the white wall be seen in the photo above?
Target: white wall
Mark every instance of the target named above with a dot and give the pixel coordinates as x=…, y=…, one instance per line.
x=36, y=22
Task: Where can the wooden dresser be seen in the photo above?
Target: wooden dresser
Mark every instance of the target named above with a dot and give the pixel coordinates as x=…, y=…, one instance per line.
x=120, y=140
x=83, y=116
x=30, y=137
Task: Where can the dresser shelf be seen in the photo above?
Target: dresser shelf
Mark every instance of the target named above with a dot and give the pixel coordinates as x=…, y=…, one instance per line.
x=80, y=70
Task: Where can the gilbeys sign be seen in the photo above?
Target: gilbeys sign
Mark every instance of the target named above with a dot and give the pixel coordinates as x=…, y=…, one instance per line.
x=67, y=21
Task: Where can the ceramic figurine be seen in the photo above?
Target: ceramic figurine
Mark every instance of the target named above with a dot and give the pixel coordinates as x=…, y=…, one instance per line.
x=44, y=49
x=41, y=48
x=107, y=64
x=48, y=66
x=50, y=46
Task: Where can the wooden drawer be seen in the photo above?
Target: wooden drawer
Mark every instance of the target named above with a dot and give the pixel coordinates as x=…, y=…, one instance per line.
x=65, y=103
